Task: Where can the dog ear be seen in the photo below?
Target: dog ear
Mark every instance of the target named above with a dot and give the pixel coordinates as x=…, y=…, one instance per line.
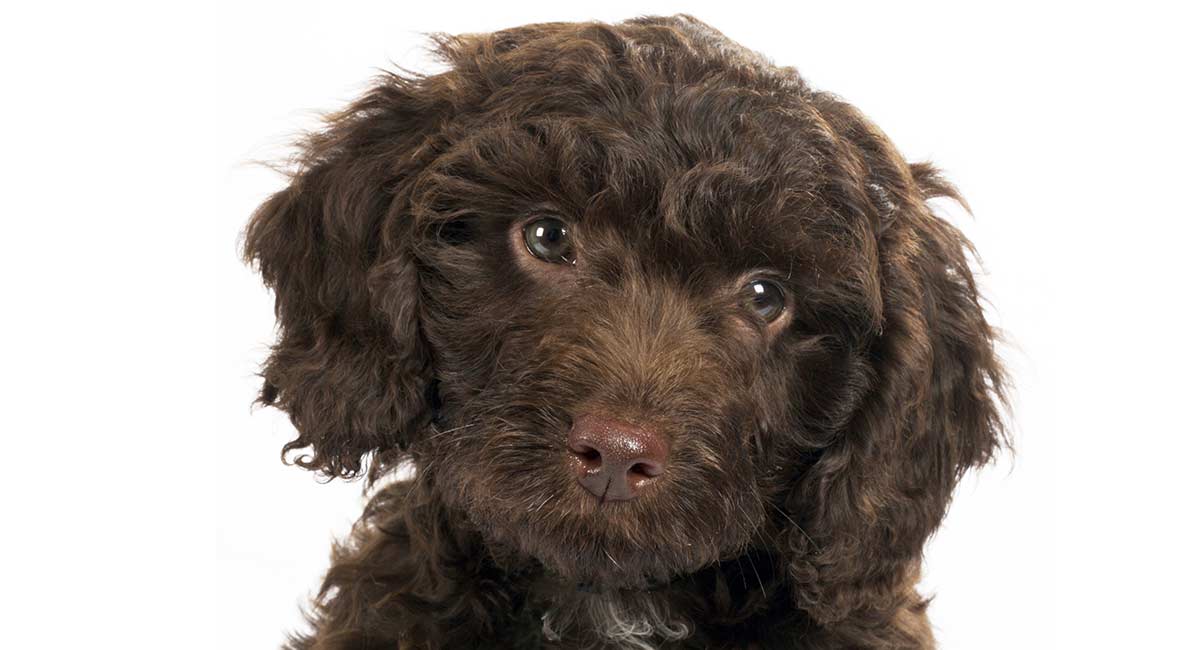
x=930, y=411
x=349, y=367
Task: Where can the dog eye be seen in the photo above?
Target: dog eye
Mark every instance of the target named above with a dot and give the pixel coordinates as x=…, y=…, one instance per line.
x=546, y=239
x=766, y=299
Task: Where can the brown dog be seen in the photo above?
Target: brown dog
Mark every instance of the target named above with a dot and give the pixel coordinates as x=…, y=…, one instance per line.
x=679, y=353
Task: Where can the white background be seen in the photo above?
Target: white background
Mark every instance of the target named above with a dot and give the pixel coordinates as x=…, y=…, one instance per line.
x=131, y=333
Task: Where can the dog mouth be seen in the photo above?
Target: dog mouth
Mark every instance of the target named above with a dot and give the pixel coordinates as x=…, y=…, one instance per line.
x=599, y=501
x=598, y=545
x=647, y=584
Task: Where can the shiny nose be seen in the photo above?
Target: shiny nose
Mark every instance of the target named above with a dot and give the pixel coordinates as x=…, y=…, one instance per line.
x=615, y=460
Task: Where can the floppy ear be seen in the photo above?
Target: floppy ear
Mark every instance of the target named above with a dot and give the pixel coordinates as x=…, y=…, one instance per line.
x=349, y=366
x=929, y=411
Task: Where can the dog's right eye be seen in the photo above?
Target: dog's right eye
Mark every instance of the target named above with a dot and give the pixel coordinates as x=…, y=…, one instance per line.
x=546, y=239
x=766, y=299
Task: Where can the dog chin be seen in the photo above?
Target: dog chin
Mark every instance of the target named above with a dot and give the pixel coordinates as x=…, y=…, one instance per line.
x=605, y=574
x=601, y=569
x=595, y=546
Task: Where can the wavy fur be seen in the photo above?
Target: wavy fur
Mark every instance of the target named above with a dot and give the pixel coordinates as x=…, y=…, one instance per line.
x=809, y=464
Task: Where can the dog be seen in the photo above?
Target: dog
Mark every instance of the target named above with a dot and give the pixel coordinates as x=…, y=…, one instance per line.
x=675, y=349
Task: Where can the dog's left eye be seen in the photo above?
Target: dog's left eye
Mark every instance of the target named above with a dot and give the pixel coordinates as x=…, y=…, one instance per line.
x=766, y=299
x=546, y=239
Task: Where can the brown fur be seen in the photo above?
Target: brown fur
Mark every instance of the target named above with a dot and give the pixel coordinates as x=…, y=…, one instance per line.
x=810, y=460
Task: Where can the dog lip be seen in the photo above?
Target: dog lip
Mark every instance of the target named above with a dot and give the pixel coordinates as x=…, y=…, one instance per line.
x=594, y=587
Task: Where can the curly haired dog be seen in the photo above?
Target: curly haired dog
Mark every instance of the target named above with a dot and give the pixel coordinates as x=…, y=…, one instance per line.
x=677, y=351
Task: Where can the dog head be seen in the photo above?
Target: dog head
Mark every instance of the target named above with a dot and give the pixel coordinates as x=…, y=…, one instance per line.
x=635, y=301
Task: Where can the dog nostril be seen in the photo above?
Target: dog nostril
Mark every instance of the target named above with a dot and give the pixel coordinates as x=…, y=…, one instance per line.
x=645, y=470
x=588, y=454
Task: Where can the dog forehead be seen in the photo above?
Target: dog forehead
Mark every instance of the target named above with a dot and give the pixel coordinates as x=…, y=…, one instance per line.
x=700, y=190
x=676, y=137
x=749, y=201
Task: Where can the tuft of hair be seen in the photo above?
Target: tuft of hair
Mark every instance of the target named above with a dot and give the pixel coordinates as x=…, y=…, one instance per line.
x=633, y=620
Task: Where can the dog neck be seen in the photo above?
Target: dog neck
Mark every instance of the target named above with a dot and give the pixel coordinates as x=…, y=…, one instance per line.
x=687, y=607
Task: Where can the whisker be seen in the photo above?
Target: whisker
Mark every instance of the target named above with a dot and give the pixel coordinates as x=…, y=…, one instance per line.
x=802, y=531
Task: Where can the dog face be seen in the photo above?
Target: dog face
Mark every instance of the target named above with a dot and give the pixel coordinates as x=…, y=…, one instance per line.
x=615, y=358
x=634, y=301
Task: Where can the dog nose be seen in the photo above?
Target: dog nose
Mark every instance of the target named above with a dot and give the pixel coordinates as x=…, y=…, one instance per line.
x=616, y=460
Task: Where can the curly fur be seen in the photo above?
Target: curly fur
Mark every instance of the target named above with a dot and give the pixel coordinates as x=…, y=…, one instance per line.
x=809, y=465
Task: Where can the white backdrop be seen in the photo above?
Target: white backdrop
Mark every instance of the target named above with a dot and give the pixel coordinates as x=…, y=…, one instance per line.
x=133, y=332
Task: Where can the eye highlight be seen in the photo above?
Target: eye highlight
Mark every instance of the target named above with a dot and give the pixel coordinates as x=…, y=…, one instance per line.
x=766, y=299
x=547, y=239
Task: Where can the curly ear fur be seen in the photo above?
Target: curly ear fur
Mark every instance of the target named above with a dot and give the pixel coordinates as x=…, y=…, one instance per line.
x=930, y=399
x=349, y=367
